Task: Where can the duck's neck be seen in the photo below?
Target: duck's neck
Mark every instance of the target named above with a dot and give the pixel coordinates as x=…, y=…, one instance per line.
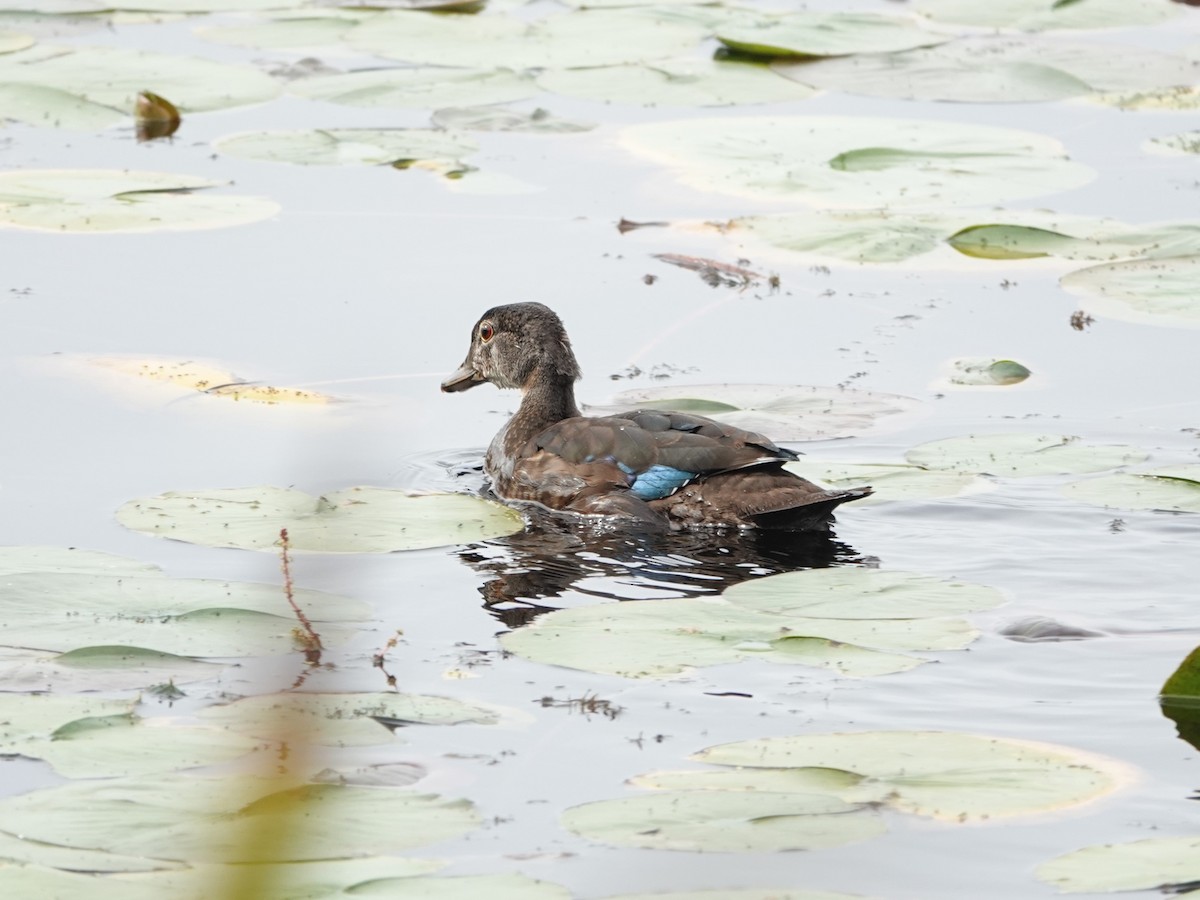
x=548, y=398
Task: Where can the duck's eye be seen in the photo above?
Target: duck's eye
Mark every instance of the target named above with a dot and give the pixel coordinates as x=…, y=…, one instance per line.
x=486, y=331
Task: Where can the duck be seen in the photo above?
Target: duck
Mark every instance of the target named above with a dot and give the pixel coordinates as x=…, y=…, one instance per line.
x=656, y=470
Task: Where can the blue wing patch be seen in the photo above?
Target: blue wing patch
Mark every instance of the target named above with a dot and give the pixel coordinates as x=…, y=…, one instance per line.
x=659, y=481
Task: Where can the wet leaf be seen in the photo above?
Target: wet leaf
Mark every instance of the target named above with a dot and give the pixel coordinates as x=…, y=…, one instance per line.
x=209, y=379
x=944, y=775
x=1039, y=15
x=724, y=822
x=858, y=162
x=102, y=200
x=1184, y=683
x=825, y=34
x=1173, y=488
x=982, y=371
x=1137, y=866
x=418, y=87
x=201, y=820
x=348, y=146
x=492, y=118
x=341, y=720
x=1021, y=455
x=1151, y=291
x=358, y=520
x=783, y=412
x=852, y=592
x=98, y=668
x=676, y=82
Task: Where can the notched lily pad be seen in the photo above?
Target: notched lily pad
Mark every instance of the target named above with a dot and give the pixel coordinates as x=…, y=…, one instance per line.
x=358, y=520
x=824, y=34
x=1021, y=455
x=1171, y=488
x=1151, y=291
x=782, y=412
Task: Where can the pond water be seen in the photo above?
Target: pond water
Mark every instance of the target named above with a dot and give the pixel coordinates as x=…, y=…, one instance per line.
x=364, y=286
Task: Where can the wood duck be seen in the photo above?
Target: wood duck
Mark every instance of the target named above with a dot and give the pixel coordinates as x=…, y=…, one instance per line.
x=662, y=470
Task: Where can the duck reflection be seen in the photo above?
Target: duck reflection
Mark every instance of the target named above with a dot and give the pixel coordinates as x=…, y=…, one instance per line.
x=553, y=559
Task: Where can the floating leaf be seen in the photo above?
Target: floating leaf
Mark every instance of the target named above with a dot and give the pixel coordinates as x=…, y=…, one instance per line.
x=1184, y=683
x=358, y=520
x=824, y=34
x=983, y=371
x=341, y=720
x=1020, y=455
x=664, y=637
x=858, y=162
x=1174, y=488
x=574, y=39
x=26, y=719
x=784, y=412
x=50, y=107
x=209, y=379
x=103, y=668
x=995, y=70
x=311, y=29
x=724, y=822
x=891, y=481
x=863, y=236
x=348, y=146
x=463, y=887
x=944, y=775
x=1187, y=142
x=1153, y=291
x=209, y=819
x=419, y=87
x=851, y=592
x=102, y=200
x=1098, y=240
x=11, y=41
x=676, y=82
x=1174, y=99
x=156, y=117
x=58, y=559
x=1149, y=864
x=491, y=118
x=1039, y=15
x=809, y=780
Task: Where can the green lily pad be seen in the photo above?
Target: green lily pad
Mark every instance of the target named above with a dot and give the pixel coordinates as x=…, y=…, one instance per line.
x=26, y=719
x=862, y=236
x=570, y=40
x=944, y=775
x=666, y=637
x=317, y=30
x=12, y=41
x=1184, y=683
x=851, y=592
x=1150, y=864
x=25, y=880
x=1041, y=15
x=1174, y=488
x=986, y=371
x=186, y=617
x=783, y=412
x=891, y=481
x=724, y=822
x=491, y=118
x=102, y=200
x=1188, y=142
x=340, y=720
x=419, y=87
x=995, y=70
x=358, y=520
x=104, y=668
x=806, y=780
x=1152, y=291
x=1101, y=240
x=59, y=559
x=1021, y=455
x=463, y=887
x=222, y=820
x=858, y=162
x=348, y=146
x=825, y=34
x=193, y=84
x=1173, y=99
x=676, y=82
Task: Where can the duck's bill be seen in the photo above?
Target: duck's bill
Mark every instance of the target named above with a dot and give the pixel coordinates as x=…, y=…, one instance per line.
x=464, y=379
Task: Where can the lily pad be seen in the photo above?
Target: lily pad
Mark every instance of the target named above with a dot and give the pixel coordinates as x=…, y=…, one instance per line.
x=858, y=162
x=666, y=637
x=103, y=200
x=341, y=720
x=676, y=82
x=492, y=118
x=1021, y=455
x=1150, y=864
x=28, y=719
x=944, y=775
x=36, y=104
x=418, y=87
x=1188, y=142
x=59, y=559
x=193, y=84
x=891, y=481
x=783, y=412
x=463, y=887
x=995, y=70
x=358, y=520
x=851, y=592
x=804, y=780
x=1101, y=240
x=1153, y=291
x=103, y=668
x=1041, y=15
x=12, y=41
x=1184, y=683
x=1174, y=99
x=318, y=30
x=862, y=236
x=825, y=34
x=724, y=822
x=986, y=371
x=571, y=40
x=348, y=146
x=218, y=820
x=209, y=379
x=1173, y=488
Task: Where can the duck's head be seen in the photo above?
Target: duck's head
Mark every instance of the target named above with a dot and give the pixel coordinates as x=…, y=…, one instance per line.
x=513, y=345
